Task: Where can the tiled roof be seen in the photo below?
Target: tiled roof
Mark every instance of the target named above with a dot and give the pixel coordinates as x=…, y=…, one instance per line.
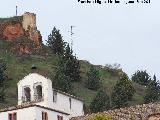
x=67, y=94
x=137, y=112
x=30, y=105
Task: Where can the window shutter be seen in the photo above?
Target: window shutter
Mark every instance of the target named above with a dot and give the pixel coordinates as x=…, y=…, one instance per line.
x=46, y=116
x=14, y=116
x=43, y=116
x=9, y=116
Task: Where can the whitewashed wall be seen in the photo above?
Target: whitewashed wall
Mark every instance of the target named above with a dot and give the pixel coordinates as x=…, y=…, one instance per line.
x=33, y=113
x=51, y=114
x=22, y=114
x=62, y=102
x=30, y=80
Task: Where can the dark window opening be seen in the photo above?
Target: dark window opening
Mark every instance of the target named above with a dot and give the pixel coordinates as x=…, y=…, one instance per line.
x=9, y=116
x=12, y=116
x=39, y=91
x=54, y=96
x=70, y=103
x=27, y=94
x=59, y=117
x=44, y=116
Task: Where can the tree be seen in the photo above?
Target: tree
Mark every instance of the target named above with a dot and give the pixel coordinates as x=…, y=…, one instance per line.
x=61, y=80
x=73, y=65
x=141, y=77
x=122, y=92
x=100, y=103
x=93, y=79
x=152, y=91
x=2, y=80
x=76, y=69
x=55, y=42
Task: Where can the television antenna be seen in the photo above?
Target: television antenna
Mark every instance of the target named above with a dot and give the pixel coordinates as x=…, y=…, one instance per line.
x=71, y=33
x=16, y=10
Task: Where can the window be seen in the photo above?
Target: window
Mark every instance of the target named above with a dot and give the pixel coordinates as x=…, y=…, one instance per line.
x=54, y=96
x=27, y=94
x=70, y=103
x=38, y=91
x=12, y=116
x=44, y=116
x=59, y=117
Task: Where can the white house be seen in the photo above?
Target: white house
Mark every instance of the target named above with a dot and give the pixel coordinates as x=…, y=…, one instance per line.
x=37, y=100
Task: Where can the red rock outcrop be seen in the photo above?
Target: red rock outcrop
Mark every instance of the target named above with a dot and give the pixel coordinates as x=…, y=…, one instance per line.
x=11, y=32
x=19, y=27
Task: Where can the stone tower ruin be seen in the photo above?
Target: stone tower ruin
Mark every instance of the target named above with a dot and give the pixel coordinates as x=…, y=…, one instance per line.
x=23, y=30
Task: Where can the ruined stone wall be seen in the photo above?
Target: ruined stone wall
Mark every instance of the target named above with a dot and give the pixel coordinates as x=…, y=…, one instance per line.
x=29, y=25
x=139, y=112
x=20, y=28
x=29, y=20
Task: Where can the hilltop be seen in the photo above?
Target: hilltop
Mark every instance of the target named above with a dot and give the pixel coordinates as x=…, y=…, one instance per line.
x=21, y=46
x=19, y=66
x=22, y=32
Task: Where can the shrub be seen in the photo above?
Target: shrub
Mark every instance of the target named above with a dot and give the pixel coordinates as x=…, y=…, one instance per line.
x=100, y=116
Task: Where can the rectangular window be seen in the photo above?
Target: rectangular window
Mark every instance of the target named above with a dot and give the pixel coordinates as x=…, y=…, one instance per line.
x=70, y=103
x=44, y=116
x=59, y=117
x=54, y=96
x=12, y=116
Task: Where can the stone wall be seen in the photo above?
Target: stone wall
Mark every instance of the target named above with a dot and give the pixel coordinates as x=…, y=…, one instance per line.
x=139, y=112
x=29, y=19
x=29, y=25
x=20, y=29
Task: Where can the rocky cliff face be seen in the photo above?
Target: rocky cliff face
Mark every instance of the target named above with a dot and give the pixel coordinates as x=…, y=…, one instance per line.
x=18, y=28
x=12, y=32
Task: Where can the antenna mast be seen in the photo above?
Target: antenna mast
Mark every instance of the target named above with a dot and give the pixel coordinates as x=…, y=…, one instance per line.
x=16, y=10
x=72, y=36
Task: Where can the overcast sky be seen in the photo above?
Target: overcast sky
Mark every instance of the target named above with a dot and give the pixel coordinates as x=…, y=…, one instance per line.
x=128, y=34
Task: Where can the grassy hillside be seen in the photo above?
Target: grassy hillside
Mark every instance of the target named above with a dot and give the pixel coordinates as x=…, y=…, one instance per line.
x=20, y=66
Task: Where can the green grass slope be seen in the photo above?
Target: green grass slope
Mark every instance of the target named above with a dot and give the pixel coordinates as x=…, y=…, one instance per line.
x=20, y=66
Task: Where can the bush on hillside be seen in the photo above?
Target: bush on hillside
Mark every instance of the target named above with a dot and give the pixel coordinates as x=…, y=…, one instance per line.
x=100, y=116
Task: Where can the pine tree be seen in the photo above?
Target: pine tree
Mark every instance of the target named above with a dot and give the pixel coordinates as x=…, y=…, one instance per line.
x=141, y=77
x=152, y=91
x=93, y=79
x=100, y=103
x=73, y=65
x=61, y=80
x=76, y=70
x=2, y=80
x=122, y=92
x=55, y=42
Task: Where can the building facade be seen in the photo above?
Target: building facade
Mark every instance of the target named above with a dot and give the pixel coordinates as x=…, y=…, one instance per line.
x=37, y=100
